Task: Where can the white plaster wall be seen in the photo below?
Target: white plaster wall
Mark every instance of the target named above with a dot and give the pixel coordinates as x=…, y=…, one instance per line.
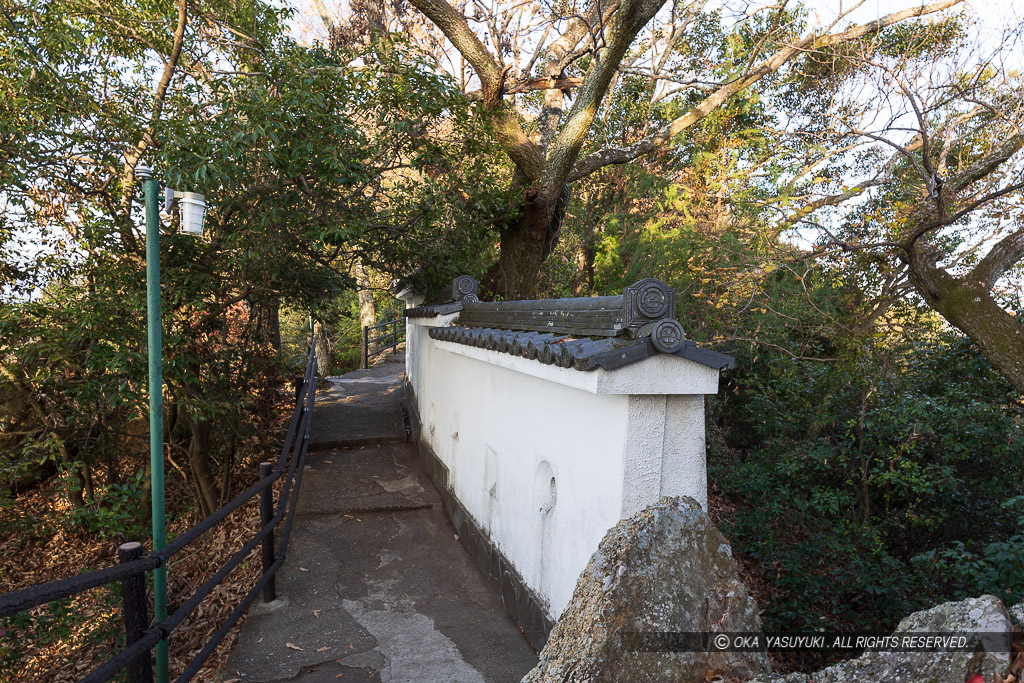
x=613, y=441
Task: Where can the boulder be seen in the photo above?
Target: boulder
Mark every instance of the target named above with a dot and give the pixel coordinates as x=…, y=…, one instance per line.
x=664, y=570
x=1017, y=613
x=974, y=615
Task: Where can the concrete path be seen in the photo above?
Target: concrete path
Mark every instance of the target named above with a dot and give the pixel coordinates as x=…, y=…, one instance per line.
x=376, y=586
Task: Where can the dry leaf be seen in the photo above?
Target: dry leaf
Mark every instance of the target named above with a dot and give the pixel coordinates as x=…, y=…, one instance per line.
x=316, y=613
x=456, y=537
x=322, y=649
x=292, y=646
x=303, y=569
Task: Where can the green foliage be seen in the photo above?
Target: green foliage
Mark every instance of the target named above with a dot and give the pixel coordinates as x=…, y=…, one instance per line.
x=310, y=160
x=851, y=477
x=978, y=566
x=118, y=510
x=863, y=448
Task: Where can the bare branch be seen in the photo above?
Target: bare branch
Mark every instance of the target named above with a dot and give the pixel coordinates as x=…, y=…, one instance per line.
x=492, y=78
x=632, y=16
x=999, y=259
x=663, y=137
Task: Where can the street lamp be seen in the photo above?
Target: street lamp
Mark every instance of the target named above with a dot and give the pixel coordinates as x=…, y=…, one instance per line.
x=193, y=212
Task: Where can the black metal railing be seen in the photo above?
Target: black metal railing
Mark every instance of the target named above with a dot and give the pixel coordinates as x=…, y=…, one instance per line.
x=393, y=338
x=141, y=635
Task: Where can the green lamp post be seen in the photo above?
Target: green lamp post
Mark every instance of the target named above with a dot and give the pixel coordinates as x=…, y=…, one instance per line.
x=193, y=213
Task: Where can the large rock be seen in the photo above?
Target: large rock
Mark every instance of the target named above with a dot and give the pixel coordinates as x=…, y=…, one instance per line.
x=974, y=615
x=666, y=569
x=1017, y=613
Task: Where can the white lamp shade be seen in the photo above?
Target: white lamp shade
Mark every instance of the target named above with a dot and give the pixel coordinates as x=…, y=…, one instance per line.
x=193, y=212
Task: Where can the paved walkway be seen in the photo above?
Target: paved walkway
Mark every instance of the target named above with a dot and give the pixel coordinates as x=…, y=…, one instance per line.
x=376, y=586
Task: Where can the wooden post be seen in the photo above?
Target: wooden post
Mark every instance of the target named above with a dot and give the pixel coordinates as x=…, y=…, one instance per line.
x=266, y=514
x=134, y=612
x=366, y=347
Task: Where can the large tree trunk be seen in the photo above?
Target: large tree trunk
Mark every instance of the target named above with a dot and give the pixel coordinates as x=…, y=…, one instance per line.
x=268, y=321
x=968, y=305
x=199, y=463
x=323, y=352
x=527, y=242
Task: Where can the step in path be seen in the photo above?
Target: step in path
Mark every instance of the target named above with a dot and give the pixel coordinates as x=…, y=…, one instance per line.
x=376, y=585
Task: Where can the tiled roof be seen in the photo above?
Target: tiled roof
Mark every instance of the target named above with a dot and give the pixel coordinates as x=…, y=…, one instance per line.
x=582, y=333
x=581, y=354
x=434, y=310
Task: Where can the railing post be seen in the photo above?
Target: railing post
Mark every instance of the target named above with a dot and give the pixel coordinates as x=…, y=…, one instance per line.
x=134, y=612
x=366, y=348
x=300, y=386
x=266, y=514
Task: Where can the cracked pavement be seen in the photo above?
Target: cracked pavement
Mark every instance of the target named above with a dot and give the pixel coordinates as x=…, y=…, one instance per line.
x=375, y=586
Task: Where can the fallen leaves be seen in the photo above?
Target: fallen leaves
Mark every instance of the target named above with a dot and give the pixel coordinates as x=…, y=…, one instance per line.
x=317, y=613
x=293, y=646
x=1016, y=672
x=26, y=559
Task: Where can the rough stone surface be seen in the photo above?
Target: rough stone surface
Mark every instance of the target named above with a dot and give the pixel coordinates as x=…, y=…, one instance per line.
x=665, y=569
x=974, y=615
x=1017, y=612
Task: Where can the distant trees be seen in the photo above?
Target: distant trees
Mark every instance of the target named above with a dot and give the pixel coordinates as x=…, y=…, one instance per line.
x=894, y=113
x=545, y=72
x=309, y=159
x=917, y=174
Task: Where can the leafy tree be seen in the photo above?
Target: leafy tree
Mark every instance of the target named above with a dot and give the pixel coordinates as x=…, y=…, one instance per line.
x=851, y=479
x=583, y=54
x=910, y=172
x=310, y=159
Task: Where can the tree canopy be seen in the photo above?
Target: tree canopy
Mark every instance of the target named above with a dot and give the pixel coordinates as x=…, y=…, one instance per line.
x=837, y=204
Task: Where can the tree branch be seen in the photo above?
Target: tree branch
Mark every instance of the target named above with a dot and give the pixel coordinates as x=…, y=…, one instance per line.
x=1004, y=254
x=631, y=17
x=131, y=158
x=664, y=136
x=986, y=165
x=532, y=84
x=556, y=58
x=492, y=78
